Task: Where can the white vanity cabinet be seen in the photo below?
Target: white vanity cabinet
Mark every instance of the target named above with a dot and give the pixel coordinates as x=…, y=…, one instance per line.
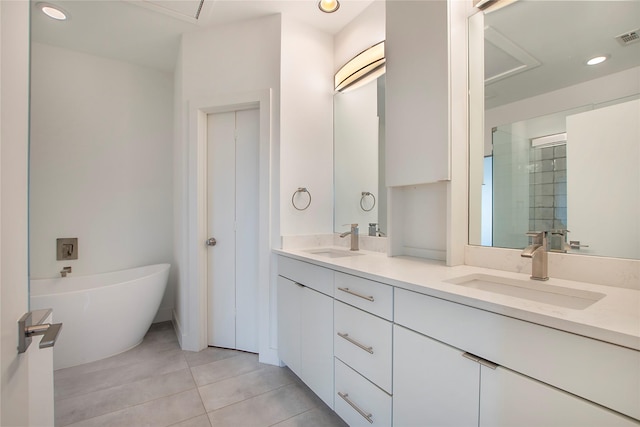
x=305, y=325
x=549, y=381
x=433, y=384
x=508, y=398
x=363, y=347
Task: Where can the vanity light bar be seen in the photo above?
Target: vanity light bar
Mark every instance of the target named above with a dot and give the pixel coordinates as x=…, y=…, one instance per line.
x=361, y=66
x=549, y=140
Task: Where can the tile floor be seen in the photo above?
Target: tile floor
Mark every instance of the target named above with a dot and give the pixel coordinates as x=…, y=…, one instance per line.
x=157, y=384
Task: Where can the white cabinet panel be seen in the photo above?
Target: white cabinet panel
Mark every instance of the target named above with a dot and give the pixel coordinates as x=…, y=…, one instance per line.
x=433, y=384
x=564, y=360
x=316, y=343
x=289, y=297
x=363, y=341
x=305, y=332
x=374, y=297
x=417, y=97
x=508, y=399
x=313, y=276
x=370, y=401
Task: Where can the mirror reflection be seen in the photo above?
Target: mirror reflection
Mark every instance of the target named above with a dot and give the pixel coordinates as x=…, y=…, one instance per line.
x=558, y=147
x=360, y=192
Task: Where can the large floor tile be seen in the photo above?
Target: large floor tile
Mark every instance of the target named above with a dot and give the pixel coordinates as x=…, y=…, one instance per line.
x=199, y=421
x=154, y=343
x=157, y=413
x=266, y=409
x=242, y=387
x=208, y=355
x=159, y=364
x=90, y=405
x=219, y=370
x=316, y=417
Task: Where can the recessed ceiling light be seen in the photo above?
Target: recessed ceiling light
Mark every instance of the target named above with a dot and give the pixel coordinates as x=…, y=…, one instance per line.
x=52, y=11
x=597, y=60
x=329, y=6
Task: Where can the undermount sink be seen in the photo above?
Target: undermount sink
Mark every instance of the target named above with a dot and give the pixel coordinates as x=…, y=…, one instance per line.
x=332, y=252
x=530, y=290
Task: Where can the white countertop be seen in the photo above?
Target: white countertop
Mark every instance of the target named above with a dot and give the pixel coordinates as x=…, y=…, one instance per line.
x=614, y=319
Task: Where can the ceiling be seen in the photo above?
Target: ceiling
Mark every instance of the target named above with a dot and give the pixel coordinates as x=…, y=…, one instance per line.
x=147, y=32
x=544, y=45
x=531, y=46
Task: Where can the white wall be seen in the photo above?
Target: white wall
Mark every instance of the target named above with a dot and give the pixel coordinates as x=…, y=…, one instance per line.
x=101, y=163
x=364, y=31
x=306, y=145
x=214, y=64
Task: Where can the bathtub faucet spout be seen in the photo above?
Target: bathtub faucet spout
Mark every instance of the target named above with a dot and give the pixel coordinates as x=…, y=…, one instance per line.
x=64, y=271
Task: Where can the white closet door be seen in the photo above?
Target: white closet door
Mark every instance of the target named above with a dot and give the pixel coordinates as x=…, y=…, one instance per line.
x=232, y=221
x=248, y=128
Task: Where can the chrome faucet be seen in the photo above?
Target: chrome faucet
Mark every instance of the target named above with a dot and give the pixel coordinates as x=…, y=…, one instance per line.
x=64, y=271
x=354, y=236
x=537, y=251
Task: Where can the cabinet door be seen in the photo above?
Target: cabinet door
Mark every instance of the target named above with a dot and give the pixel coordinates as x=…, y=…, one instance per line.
x=433, y=384
x=316, y=343
x=289, y=297
x=508, y=399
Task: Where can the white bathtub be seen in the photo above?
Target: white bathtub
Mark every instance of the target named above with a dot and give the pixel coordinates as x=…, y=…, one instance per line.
x=103, y=314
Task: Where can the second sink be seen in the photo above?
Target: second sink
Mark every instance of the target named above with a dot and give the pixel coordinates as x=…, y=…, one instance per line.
x=550, y=294
x=332, y=253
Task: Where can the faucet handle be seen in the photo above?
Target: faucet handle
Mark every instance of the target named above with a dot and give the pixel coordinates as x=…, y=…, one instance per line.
x=539, y=237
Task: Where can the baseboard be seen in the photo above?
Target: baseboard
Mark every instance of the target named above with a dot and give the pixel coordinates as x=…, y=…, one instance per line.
x=177, y=327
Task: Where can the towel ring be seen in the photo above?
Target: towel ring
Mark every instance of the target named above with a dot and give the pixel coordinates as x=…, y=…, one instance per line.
x=300, y=190
x=365, y=194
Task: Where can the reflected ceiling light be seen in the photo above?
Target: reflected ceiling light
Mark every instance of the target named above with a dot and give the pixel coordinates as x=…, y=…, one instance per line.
x=597, y=60
x=549, y=140
x=363, y=68
x=52, y=11
x=329, y=6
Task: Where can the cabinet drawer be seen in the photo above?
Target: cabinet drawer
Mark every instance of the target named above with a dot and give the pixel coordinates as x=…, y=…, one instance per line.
x=374, y=297
x=597, y=371
x=358, y=401
x=313, y=276
x=363, y=341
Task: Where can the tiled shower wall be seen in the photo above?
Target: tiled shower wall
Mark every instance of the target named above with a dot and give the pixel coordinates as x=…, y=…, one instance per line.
x=548, y=188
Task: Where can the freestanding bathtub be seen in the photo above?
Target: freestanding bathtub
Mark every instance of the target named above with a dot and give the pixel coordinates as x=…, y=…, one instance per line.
x=103, y=314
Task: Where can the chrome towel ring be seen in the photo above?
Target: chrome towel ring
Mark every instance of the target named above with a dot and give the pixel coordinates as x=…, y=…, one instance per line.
x=300, y=190
x=365, y=194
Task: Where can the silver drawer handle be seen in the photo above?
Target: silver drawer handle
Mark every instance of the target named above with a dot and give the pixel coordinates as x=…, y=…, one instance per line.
x=365, y=415
x=349, y=291
x=354, y=342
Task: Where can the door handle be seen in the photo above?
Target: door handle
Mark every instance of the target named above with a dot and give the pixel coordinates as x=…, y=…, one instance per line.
x=211, y=241
x=26, y=330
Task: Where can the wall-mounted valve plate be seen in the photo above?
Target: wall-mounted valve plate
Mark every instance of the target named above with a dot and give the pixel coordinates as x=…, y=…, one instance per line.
x=67, y=248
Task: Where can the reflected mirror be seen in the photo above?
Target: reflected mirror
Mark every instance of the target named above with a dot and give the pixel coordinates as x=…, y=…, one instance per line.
x=554, y=141
x=360, y=192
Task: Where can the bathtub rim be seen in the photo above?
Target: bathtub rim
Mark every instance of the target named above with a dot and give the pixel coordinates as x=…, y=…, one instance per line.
x=53, y=286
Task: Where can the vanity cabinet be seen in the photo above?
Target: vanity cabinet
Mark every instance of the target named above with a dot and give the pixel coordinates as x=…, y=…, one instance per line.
x=305, y=326
x=363, y=347
x=402, y=358
x=433, y=384
x=527, y=374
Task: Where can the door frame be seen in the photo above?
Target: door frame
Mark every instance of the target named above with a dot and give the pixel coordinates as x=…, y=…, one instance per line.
x=197, y=217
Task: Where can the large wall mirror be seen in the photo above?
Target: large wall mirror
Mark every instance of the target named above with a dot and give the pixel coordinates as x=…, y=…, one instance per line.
x=360, y=192
x=555, y=141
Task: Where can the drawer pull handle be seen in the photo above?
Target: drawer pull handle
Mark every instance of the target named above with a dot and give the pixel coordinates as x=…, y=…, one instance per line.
x=345, y=397
x=349, y=291
x=356, y=343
